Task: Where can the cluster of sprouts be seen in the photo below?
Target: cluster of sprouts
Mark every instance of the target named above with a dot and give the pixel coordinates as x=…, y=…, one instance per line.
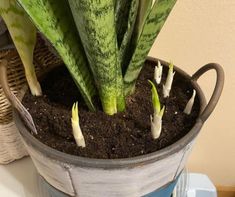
x=156, y=119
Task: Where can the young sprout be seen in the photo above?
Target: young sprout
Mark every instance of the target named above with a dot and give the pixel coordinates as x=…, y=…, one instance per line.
x=169, y=81
x=153, y=2
x=158, y=73
x=156, y=119
x=77, y=133
x=189, y=106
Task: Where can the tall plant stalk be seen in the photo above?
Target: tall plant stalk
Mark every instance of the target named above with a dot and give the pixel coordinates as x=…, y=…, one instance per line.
x=95, y=22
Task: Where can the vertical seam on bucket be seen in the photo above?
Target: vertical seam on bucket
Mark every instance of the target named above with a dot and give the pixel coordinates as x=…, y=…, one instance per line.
x=175, y=176
x=67, y=168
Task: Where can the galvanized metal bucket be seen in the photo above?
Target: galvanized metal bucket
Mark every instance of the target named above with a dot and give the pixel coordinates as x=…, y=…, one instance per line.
x=149, y=175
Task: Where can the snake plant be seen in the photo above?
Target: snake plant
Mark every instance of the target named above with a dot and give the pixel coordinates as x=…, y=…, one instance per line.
x=103, y=43
x=23, y=34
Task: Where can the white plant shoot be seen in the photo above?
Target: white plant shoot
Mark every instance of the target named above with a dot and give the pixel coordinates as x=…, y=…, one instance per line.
x=153, y=2
x=77, y=133
x=169, y=81
x=158, y=73
x=189, y=106
x=156, y=119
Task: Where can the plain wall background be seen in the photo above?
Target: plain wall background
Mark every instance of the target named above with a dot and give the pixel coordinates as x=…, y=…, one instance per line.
x=198, y=32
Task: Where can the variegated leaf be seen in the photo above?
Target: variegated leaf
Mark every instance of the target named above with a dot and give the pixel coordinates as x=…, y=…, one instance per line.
x=95, y=21
x=153, y=24
x=54, y=19
x=23, y=34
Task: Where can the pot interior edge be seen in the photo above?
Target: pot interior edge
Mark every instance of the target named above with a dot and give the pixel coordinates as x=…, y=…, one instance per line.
x=115, y=163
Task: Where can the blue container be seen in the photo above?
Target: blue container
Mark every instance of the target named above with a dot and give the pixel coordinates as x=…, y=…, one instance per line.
x=46, y=190
x=163, y=192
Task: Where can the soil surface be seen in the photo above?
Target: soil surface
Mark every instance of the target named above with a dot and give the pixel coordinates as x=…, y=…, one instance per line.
x=123, y=135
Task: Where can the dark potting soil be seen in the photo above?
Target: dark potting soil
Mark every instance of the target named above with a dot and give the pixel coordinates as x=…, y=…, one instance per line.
x=123, y=135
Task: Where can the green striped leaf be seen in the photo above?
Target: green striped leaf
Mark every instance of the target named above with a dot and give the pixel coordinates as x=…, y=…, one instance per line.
x=124, y=46
x=154, y=22
x=95, y=22
x=126, y=42
x=121, y=103
x=143, y=12
x=115, y=3
x=55, y=21
x=122, y=10
x=23, y=34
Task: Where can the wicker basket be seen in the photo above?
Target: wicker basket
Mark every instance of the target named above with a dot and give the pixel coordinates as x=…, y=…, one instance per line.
x=11, y=147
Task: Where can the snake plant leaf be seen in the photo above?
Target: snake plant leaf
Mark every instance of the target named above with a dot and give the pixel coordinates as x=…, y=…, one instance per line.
x=95, y=20
x=122, y=10
x=153, y=24
x=115, y=4
x=144, y=7
x=121, y=14
x=55, y=21
x=121, y=102
x=143, y=11
x=126, y=42
x=23, y=34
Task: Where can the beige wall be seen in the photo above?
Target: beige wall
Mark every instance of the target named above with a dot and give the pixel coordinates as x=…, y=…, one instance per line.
x=199, y=32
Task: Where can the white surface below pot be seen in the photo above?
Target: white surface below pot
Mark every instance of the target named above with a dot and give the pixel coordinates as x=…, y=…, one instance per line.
x=18, y=179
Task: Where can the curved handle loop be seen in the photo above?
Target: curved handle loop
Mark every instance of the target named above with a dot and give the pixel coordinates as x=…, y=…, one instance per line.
x=217, y=90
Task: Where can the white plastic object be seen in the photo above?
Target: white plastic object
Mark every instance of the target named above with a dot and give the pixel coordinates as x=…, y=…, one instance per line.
x=200, y=186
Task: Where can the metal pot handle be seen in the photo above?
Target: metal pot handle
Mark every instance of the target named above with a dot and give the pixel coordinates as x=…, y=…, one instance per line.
x=217, y=90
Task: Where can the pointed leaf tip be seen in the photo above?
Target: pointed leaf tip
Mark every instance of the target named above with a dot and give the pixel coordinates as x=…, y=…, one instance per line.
x=75, y=116
x=171, y=66
x=162, y=111
x=155, y=98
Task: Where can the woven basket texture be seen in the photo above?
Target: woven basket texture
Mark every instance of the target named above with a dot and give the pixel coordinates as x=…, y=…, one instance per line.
x=11, y=146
